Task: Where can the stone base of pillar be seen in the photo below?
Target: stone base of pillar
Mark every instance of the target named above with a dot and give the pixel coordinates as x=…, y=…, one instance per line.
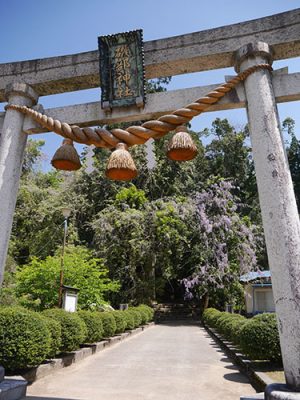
x=280, y=391
x=11, y=389
x=274, y=391
x=257, y=396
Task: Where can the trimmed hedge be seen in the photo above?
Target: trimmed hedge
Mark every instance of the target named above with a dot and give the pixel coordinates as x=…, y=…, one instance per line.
x=129, y=318
x=136, y=316
x=93, y=322
x=143, y=310
x=149, y=311
x=24, y=338
x=108, y=323
x=231, y=328
x=258, y=337
x=120, y=319
x=27, y=338
x=73, y=329
x=210, y=316
x=54, y=328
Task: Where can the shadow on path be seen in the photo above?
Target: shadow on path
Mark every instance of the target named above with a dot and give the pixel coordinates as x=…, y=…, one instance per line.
x=236, y=377
x=234, y=367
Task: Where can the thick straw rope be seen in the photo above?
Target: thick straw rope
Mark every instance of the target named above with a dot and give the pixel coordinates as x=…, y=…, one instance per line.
x=101, y=137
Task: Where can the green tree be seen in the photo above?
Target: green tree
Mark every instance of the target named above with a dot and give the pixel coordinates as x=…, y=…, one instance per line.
x=37, y=226
x=37, y=283
x=170, y=178
x=157, y=85
x=141, y=229
x=120, y=241
x=131, y=197
x=228, y=155
x=33, y=155
x=150, y=250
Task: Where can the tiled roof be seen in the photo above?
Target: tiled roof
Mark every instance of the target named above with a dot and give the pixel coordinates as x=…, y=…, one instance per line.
x=253, y=275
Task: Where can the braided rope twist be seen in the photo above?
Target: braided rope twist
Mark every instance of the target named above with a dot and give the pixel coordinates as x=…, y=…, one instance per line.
x=133, y=135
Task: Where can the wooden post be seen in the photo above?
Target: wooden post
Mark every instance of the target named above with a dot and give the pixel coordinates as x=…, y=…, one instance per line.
x=12, y=146
x=278, y=204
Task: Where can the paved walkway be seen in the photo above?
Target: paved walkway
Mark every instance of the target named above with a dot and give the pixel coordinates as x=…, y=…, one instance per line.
x=162, y=363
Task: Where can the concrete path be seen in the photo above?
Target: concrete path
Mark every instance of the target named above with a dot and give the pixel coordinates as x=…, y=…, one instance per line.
x=165, y=362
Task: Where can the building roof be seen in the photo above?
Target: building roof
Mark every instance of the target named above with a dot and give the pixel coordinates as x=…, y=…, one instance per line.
x=70, y=288
x=253, y=275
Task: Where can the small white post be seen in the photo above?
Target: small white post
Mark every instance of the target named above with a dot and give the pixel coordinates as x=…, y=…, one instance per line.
x=278, y=204
x=12, y=146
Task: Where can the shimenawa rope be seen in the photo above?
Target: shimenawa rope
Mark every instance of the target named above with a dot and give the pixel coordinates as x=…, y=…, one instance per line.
x=133, y=135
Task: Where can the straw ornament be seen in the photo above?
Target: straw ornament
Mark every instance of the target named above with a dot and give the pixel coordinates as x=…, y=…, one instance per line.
x=181, y=146
x=66, y=157
x=120, y=165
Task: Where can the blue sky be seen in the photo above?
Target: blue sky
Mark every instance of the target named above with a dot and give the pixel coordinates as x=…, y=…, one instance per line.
x=37, y=29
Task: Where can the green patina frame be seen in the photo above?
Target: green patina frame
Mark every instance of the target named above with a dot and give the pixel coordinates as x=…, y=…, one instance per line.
x=108, y=46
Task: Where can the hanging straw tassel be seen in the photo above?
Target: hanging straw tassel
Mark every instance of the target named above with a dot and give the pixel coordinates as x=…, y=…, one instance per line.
x=120, y=165
x=66, y=157
x=181, y=146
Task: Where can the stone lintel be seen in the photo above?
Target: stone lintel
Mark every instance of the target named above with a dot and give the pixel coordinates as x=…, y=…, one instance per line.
x=198, y=51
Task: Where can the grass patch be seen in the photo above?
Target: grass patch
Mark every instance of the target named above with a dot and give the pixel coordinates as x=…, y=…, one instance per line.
x=277, y=376
x=273, y=370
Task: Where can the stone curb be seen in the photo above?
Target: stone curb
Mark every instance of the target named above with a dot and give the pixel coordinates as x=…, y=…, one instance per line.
x=259, y=380
x=12, y=389
x=76, y=356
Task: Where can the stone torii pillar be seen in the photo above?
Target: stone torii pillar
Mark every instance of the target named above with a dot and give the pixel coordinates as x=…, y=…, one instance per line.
x=12, y=146
x=278, y=207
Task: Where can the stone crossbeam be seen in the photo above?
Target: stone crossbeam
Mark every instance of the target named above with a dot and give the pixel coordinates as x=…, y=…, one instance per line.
x=286, y=87
x=199, y=51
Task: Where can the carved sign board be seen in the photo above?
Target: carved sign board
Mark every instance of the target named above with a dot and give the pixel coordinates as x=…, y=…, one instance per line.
x=122, y=69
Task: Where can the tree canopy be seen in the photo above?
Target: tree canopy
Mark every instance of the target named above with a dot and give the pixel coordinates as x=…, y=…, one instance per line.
x=178, y=229
x=37, y=283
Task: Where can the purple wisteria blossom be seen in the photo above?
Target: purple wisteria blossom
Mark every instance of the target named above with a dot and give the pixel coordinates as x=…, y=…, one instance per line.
x=228, y=242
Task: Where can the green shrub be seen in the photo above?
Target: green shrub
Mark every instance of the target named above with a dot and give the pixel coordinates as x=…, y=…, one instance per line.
x=109, y=323
x=231, y=327
x=150, y=312
x=222, y=318
x=93, y=322
x=211, y=316
x=259, y=338
x=146, y=313
x=73, y=329
x=120, y=319
x=223, y=321
x=54, y=328
x=24, y=338
x=136, y=315
x=129, y=318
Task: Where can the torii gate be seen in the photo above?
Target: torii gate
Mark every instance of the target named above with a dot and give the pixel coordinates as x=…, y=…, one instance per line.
x=241, y=45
